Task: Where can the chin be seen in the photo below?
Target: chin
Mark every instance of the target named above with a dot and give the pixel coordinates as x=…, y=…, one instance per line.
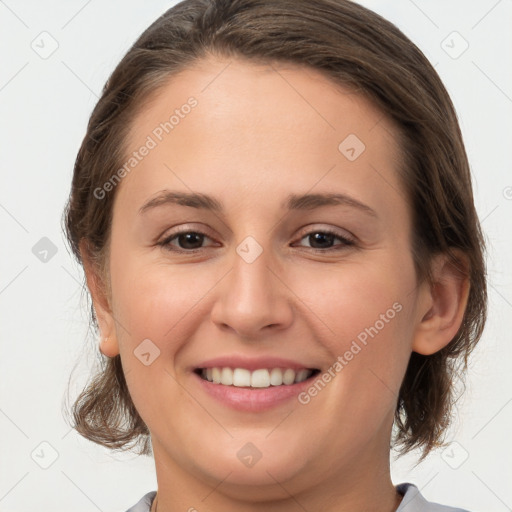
x=251, y=472
x=259, y=483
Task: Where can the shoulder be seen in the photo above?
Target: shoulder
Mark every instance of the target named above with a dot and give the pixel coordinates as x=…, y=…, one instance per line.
x=413, y=501
x=144, y=505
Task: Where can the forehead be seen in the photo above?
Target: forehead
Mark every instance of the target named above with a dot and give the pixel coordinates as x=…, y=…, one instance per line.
x=229, y=124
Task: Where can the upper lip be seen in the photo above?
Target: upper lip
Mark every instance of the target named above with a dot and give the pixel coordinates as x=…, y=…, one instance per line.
x=253, y=363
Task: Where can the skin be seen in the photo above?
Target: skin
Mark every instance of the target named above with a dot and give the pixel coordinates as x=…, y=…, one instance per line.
x=258, y=134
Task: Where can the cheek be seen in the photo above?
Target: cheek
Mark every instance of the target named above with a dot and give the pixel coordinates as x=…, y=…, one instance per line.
x=348, y=300
x=364, y=312
x=166, y=305
x=154, y=300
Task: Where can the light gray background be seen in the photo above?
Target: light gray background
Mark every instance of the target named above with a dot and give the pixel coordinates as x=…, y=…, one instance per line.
x=44, y=107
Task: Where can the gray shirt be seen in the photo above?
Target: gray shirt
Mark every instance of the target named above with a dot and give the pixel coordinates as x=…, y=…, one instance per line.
x=412, y=501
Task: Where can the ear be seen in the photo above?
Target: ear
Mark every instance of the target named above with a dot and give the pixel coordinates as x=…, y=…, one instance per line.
x=442, y=304
x=95, y=282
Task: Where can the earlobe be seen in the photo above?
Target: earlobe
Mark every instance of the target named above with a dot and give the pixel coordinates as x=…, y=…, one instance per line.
x=109, y=346
x=101, y=304
x=442, y=304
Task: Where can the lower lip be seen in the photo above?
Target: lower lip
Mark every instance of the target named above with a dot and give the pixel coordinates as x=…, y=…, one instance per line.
x=253, y=399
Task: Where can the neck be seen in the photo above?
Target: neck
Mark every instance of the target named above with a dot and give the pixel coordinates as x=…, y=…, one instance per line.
x=362, y=484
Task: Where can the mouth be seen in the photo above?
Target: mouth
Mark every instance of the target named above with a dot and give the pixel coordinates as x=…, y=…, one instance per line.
x=255, y=379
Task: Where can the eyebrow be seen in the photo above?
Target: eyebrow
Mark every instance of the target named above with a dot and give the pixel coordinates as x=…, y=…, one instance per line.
x=292, y=202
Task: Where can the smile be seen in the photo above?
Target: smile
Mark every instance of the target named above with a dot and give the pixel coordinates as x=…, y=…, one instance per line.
x=260, y=378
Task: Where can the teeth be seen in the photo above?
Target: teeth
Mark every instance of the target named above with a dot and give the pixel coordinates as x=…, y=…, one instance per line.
x=276, y=377
x=216, y=375
x=288, y=376
x=262, y=378
x=226, y=376
x=241, y=378
x=302, y=375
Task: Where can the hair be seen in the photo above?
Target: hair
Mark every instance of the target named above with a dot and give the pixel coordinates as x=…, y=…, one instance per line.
x=358, y=50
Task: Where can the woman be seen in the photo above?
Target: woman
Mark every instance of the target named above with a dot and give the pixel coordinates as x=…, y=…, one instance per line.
x=274, y=212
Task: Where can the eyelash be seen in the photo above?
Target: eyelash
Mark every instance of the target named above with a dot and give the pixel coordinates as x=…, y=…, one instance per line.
x=346, y=242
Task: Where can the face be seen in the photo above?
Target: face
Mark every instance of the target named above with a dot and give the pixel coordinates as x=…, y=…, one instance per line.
x=293, y=262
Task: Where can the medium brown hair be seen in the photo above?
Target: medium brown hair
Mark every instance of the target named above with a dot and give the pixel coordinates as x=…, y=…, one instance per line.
x=357, y=49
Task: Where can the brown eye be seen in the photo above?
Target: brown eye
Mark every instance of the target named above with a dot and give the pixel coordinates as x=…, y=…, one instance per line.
x=321, y=240
x=325, y=240
x=190, y=240
x=185, y=241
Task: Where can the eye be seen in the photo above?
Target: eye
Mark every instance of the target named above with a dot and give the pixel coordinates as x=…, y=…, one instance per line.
x=184, y=240
x=323, y=240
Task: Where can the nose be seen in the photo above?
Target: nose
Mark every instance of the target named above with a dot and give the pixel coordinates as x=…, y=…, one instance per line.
x=253, y=300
